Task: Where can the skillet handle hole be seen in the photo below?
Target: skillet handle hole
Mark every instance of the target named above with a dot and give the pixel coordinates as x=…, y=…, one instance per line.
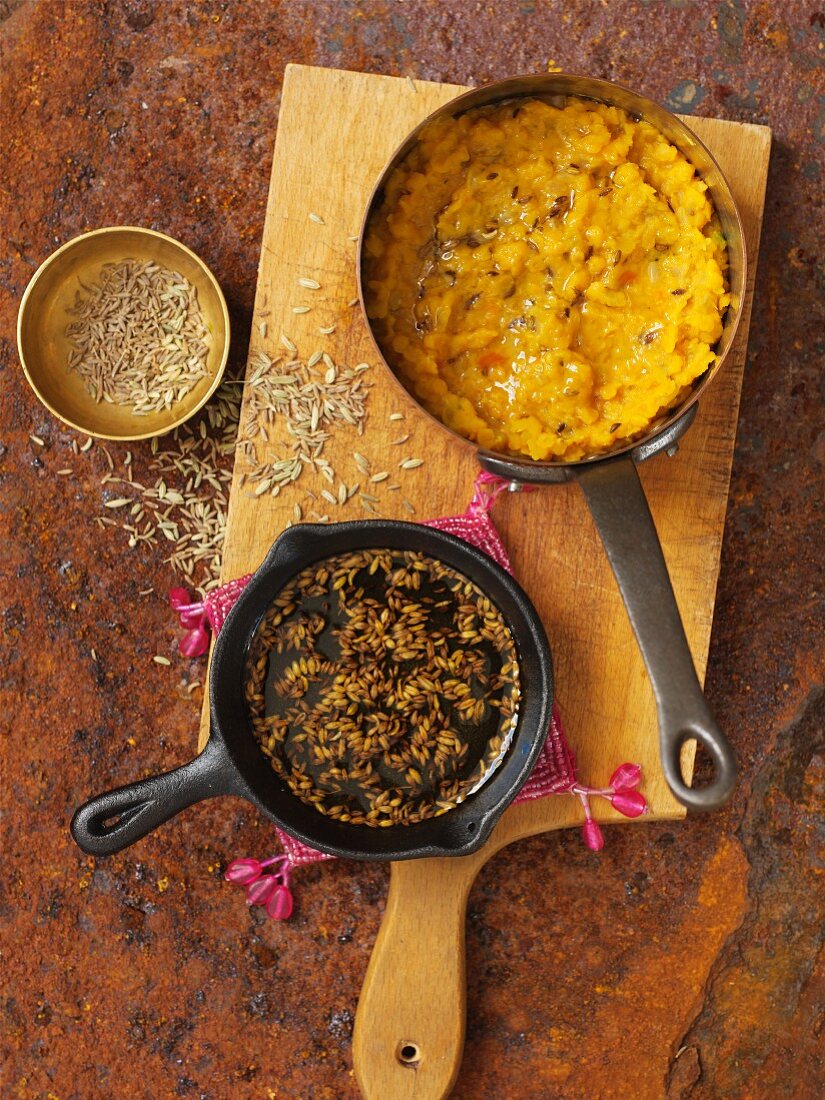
x=471, y=827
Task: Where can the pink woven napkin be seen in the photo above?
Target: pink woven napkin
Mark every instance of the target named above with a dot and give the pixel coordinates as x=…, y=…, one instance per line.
x=554, y=772
x=555, y=769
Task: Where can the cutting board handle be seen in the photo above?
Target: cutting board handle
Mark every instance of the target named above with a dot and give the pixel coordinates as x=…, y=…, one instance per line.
x=409, y=1028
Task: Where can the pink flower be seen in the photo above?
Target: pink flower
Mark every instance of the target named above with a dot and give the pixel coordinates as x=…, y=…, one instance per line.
x=195, y=641
x=593, y=835
x=629, y=803
x=191, y=617
x=260, y=891
x=243, y=871
x=271, y=890
x=626, y=776
x=179, y=598
x=279, y=905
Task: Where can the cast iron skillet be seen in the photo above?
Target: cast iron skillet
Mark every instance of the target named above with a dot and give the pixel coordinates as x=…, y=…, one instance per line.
x=610, y=483
x=232, y=763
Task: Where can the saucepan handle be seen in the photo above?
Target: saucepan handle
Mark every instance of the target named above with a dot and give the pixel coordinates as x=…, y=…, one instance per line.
x=620, y=510
x=116, y=819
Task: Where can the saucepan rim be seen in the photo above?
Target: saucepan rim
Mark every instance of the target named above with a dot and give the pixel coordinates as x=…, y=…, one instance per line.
x=554, y=85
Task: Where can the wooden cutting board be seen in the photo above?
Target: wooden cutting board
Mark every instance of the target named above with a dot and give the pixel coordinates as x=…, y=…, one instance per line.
x=336, y=131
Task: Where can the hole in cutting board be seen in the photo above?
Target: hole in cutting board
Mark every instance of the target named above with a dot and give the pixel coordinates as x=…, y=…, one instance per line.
x=408, y=1054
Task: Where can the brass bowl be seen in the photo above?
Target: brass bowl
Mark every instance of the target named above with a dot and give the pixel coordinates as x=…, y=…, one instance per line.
x=44, y=346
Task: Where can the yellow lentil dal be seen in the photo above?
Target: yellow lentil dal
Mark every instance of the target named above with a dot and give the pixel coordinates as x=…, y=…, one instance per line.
x=546, y=280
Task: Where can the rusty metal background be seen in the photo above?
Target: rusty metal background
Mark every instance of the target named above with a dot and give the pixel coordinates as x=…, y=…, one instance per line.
x=681, y=961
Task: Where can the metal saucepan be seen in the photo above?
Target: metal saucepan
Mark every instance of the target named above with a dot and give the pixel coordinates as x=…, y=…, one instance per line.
x=610, y=482
x=232, y=762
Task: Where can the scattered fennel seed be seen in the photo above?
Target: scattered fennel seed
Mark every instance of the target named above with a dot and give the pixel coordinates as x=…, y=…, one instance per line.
x=138, y=338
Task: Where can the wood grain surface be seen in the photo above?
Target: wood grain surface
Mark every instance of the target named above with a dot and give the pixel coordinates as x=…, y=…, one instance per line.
x=336, y=131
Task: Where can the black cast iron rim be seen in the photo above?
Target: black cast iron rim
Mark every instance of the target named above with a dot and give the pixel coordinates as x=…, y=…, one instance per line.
x=461, y=830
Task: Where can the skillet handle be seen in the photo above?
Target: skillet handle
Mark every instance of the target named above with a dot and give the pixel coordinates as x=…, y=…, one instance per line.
x=116, y=819
x=620, y=510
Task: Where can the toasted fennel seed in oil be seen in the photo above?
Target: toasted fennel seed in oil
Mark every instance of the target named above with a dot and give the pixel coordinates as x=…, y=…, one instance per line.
x=344, y=749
